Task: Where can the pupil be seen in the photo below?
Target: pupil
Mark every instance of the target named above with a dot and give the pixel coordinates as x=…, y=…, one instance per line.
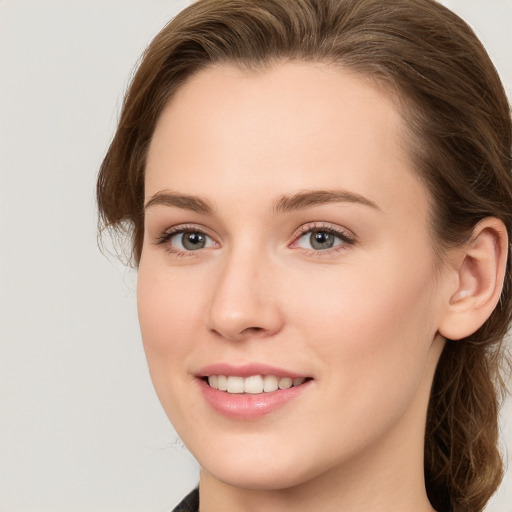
x=193, y=241
x=321, y=240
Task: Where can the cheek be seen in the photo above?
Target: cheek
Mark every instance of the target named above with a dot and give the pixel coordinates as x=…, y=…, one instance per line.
x=370, y=321
x=168, y=319
x=372, y=333
x=168, y=304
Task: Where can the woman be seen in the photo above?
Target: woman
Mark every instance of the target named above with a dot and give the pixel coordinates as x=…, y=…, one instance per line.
x=319, y=200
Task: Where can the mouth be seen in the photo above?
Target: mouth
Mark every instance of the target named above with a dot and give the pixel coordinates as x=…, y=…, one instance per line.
x=253, y=384
x=251, y=391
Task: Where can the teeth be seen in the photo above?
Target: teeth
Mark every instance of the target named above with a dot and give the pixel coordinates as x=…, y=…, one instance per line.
x=270, y=383
x=235, y=384
x=254, y=385
x=222, y=382
x=285, y=383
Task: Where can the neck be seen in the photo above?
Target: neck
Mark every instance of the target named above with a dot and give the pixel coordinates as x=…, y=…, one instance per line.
x=370, y=482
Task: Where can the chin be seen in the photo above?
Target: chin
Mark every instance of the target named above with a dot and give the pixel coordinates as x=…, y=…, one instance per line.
x=260, y=469
x=269, y=478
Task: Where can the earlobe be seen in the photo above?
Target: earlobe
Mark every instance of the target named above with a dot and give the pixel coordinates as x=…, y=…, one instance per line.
x=480, y=273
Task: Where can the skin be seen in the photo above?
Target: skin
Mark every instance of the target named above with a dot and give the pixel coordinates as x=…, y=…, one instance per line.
x=362, y=319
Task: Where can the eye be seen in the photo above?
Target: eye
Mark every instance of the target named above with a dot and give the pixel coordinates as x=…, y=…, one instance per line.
x=182, y=240
x=322, y=238
x=190, y=240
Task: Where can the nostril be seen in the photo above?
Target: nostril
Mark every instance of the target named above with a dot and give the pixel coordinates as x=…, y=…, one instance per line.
x=252, y=330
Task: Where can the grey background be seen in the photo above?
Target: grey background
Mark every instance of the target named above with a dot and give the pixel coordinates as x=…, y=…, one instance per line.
x=80, y=426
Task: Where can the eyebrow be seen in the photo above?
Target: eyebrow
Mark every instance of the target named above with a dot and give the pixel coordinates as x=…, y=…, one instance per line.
x=284, y=204
x=311, y=198
x=186, y=202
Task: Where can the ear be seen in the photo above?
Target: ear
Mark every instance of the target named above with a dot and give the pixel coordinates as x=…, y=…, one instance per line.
x=480, y=268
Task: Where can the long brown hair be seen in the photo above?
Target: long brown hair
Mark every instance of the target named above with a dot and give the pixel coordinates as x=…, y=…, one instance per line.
x=459, y=139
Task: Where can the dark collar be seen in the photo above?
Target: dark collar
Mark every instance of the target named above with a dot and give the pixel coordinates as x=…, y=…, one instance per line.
x=190, y=503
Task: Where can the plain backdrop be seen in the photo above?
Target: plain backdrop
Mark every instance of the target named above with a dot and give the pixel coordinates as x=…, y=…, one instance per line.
x=80, y=426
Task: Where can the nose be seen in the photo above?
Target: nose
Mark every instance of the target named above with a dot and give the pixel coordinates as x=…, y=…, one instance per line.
x=244, y=302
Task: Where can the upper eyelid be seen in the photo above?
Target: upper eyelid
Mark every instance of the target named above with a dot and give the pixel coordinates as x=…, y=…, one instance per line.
x=333, y=228
x=164, y=240
x=180, y=228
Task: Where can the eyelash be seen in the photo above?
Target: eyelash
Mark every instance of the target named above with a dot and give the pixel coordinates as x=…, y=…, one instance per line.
x=346, y=238
x=167, y=235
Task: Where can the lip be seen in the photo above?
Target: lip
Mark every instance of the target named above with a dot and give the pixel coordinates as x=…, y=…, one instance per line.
x=247, y=406
x=246, y=370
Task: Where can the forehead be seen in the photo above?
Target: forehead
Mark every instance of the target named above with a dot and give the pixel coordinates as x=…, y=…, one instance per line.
x=293, y=125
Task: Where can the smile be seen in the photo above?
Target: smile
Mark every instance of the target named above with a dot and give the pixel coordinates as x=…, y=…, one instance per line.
x=251, y=391
x=253, y=384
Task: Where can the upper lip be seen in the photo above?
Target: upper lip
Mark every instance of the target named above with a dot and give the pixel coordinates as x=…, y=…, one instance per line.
x=246, y=370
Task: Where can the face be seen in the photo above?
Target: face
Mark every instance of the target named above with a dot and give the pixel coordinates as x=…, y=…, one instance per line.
x=287, y=244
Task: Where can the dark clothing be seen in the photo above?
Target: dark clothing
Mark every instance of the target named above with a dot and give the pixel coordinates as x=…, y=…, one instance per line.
x=190, y=503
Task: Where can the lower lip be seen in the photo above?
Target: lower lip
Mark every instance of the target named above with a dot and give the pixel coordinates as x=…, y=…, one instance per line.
x=246, y=406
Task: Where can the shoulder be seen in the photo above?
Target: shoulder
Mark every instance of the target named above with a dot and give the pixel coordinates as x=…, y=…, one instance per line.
x=190, y=503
